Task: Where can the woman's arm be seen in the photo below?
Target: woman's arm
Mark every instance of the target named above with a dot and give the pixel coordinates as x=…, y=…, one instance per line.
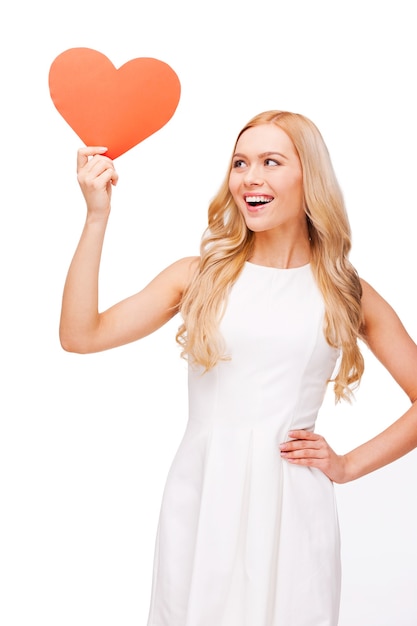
x=83, y=328
x=392, y=345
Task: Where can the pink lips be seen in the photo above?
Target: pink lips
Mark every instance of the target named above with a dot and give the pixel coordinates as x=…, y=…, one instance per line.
x=255, y=209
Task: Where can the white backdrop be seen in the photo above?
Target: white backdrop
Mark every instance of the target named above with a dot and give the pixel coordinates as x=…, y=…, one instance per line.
x=86, y=441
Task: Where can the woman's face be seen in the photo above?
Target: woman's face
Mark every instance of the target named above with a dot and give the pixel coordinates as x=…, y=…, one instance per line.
x=266, y=180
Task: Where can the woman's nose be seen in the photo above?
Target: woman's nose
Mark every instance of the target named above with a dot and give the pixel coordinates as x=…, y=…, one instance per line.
x=253, y=176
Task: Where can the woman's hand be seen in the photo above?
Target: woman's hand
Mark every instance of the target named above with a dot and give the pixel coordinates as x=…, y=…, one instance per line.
x=96, y=175
x=309, y=449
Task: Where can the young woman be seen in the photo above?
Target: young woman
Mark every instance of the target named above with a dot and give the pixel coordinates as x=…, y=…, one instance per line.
x=271, y=311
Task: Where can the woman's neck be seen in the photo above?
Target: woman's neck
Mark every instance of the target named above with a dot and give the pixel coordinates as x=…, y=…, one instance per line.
x=281, y=252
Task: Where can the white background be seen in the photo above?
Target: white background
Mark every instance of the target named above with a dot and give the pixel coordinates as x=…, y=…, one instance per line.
x=86, y=441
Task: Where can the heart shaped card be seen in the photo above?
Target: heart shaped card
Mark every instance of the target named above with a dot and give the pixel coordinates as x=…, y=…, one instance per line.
x=106, y=106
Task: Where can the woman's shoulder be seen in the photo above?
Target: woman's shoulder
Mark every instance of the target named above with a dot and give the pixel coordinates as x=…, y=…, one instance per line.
x=187, y=266
x=380, y=320
x=182, y=271
x=388, y=339
x=372, y=301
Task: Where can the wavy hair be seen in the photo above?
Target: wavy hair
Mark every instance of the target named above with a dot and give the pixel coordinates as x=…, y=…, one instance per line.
x=227, y=243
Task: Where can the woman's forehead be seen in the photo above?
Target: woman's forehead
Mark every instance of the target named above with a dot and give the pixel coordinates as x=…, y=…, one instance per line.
x=265, y=138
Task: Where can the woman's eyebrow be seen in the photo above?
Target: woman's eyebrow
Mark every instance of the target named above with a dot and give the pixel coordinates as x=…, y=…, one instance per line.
x=268, y=154
x=262, y=155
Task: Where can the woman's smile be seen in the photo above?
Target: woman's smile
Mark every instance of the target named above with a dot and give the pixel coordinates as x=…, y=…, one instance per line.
x=257, y=201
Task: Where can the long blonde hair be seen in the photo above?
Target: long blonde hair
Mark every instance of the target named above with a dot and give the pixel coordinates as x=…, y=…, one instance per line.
x=227, y=243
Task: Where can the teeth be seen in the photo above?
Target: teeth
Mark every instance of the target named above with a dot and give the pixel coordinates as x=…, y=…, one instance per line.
x=258, y=199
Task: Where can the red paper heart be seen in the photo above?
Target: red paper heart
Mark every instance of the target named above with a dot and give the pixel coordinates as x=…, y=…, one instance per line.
x=116, y=108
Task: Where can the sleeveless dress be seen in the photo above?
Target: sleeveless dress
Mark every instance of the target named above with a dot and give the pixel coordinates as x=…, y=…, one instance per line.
x=244, y=537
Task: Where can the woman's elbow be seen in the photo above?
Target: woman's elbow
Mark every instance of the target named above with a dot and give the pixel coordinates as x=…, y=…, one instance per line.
x=71, y=344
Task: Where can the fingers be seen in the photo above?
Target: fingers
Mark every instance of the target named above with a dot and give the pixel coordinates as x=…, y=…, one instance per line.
x=92, y=162
x=302, y=440
x=84, y=153
x=307, y=449
x=303, y=434
x=304, y=445
x=96, y=175
x=94, y=167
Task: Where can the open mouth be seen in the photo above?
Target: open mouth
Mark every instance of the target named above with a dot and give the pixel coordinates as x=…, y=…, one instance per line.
x=255, y=201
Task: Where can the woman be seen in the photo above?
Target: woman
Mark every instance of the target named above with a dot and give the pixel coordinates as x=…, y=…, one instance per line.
x=272, y=310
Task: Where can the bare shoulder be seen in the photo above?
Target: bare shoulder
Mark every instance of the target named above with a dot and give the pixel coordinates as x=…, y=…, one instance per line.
x=188, y=266
x=388, y=339
x=372, y=302
x=376, y=310
x=180, y=273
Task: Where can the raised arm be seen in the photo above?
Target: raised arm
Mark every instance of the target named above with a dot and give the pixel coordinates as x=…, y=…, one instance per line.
x=83, y=328
x=392, y=345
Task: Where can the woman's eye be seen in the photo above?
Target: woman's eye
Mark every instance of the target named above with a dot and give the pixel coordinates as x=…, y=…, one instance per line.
x=238, y=163
x=270, y=162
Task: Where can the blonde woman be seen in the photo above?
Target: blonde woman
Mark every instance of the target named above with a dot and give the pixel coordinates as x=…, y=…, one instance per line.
x=271, y=311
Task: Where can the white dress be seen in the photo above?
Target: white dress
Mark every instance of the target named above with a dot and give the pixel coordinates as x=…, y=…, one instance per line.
x=245, y=538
